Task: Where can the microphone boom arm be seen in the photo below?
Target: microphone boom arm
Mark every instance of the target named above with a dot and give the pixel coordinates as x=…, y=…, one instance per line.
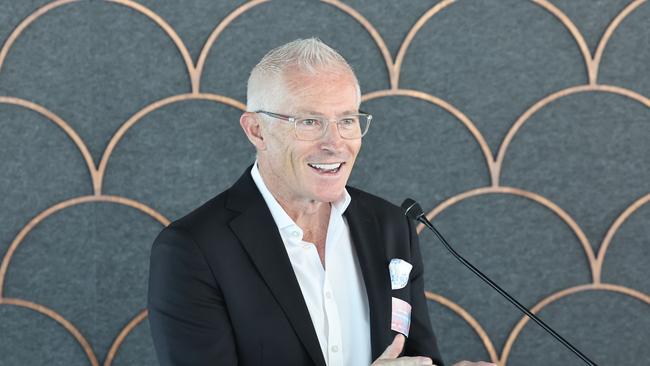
x=413, y=210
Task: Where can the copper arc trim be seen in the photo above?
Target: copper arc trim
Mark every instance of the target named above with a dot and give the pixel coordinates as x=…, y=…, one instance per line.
x=514, y=334
x=4, y=266
x=460, y=116
x=465, y=315
x=69, y=131
x=26, y=23
x=110, y=356
x=376, y=36
x=632, y=6
x=69, y=327
x=600, y=259
x=198, y=72
x=150, y=108
x=128, y=3
x=592, y=62
x=551, y=98
x=577, y=36
x=397, y=68
x=169, y=30
x=557, y=210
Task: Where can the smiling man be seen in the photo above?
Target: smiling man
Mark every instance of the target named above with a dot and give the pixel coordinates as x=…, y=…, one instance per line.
x=290, y=266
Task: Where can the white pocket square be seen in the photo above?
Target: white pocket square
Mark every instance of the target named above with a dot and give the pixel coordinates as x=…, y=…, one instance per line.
x=399, y=273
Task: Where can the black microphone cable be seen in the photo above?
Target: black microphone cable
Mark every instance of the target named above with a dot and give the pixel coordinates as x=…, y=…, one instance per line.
x=413, y=211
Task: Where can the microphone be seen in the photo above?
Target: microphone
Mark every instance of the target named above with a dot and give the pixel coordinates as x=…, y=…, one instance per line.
x=413, y=211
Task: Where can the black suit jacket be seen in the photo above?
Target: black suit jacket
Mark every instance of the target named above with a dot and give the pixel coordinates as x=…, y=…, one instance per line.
x=222, y=290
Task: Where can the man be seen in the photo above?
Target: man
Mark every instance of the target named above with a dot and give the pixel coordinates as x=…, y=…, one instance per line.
x=288, y=266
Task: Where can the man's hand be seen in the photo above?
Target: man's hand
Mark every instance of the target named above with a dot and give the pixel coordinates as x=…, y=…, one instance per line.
x=389, y=357
x=480, y=363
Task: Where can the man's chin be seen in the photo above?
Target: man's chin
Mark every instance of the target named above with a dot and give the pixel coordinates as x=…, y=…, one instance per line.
x=332, y=197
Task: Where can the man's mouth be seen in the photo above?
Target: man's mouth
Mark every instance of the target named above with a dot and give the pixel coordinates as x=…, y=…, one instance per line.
x=330, y=168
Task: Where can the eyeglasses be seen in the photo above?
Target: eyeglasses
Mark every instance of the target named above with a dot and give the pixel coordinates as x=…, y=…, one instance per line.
x=309, y=128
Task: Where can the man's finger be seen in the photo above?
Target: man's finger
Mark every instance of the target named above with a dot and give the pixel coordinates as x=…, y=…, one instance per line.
x=394, y=349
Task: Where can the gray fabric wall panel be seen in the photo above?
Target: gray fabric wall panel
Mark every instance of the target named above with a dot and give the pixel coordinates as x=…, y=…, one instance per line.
x=431, y=155
x=628, y=54
x=31, y=338
x=189, y=150
x=40, y=167
x=89, y=262
x=233, y=53
x=528, y=151
x=492, y=60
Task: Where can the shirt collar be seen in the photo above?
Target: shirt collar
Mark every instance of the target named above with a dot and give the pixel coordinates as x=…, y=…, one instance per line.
x=280, y=216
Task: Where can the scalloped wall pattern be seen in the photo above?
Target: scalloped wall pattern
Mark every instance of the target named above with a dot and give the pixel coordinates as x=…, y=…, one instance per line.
x=529, y=160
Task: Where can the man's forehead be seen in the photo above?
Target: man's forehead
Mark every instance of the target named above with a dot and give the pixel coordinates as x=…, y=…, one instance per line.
x=324, y=92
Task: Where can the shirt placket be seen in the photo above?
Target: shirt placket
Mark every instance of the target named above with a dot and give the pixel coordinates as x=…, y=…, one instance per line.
x=334, y=337
x=335, y=341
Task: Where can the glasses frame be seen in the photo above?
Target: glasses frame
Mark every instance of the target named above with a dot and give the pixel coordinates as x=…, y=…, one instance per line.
x=295, y=119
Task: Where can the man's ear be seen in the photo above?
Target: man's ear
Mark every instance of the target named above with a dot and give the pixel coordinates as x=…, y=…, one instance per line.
x=251, y=124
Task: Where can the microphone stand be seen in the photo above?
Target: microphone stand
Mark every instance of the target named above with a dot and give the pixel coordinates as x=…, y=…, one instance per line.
x=413, y=210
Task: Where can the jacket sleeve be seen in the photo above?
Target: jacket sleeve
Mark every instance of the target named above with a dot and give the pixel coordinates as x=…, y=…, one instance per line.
x=421, y=340
x=187, y=313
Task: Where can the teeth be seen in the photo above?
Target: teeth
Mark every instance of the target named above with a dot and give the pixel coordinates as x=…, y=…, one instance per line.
x=326, y=166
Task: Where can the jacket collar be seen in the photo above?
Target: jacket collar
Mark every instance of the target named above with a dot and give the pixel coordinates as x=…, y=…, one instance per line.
x=371, y=253
x=261, y=239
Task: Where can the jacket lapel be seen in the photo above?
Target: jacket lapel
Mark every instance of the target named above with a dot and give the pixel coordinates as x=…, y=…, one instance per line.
x=260, y=237
x=371, y=252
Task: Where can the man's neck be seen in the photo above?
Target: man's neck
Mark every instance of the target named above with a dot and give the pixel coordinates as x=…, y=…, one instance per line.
x=305, y=213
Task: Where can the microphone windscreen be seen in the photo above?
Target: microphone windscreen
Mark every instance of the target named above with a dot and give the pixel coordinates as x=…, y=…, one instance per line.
x=412, y=209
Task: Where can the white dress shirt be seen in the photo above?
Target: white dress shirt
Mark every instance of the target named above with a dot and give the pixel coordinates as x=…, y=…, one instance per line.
x=335, y=295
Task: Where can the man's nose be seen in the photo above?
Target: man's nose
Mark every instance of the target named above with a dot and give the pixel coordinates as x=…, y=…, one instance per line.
x=331, y=133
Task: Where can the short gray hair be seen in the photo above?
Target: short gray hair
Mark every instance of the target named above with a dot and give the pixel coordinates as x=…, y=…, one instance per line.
x=311, y=56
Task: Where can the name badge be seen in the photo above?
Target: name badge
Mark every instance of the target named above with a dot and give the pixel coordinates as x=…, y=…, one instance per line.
x=401, y=316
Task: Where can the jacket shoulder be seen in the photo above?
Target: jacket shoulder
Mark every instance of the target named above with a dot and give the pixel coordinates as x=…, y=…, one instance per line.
x=375, y=203
x=210, y=214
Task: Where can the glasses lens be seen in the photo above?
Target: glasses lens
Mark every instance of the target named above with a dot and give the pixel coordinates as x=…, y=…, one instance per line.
x=353, y=127
x=309, y=128
x=349, y=127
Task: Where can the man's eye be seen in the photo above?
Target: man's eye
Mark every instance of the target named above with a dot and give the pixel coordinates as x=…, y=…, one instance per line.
x=348, y=122
x=310, y=122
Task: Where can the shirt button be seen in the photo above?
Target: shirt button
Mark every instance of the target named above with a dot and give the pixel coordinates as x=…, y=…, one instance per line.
x=295, y=234
x=335, y=348
x=328, y=295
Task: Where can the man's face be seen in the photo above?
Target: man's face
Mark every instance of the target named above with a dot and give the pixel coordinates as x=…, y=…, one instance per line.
x=292, y=168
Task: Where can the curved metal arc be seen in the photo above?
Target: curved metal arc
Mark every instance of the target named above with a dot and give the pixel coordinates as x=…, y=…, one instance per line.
x=115, y=139
x=72, y=134
x=376, y=36
x=451, y=109
x=6, y=260
x=399, y=59
x=557, y=210
x=514, y=334
x=169, y=30
x=465, y=315
x=26, y=23
x=67, y=325
x=577, y=36
x=553, y=97
x=110, y=356
x=631, y=7
x=611, y=232
x=200, y=64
